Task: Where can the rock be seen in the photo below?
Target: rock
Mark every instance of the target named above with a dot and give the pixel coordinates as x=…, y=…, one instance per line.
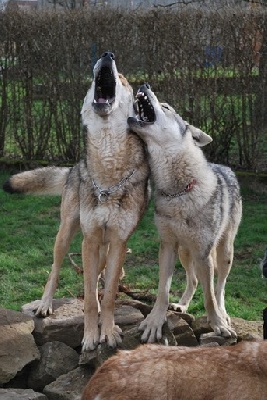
x=21, y=394
x=131, y=338
x=64, y=325
x=20, y=381
x=69, y=386
x=211, y=344
x=56, y=359
x=208, y=338
x=187, y=339
x=17, y=346
x=183, y=333
x=96, y=357
x=247, y=330
x=143, y=307
x=127, y=316
x=187, y=317
x=200, y=325
x=168, y=338
x=59, y=336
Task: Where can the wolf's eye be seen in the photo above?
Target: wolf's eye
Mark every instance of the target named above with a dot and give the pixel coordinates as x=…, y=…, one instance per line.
x=165, y=106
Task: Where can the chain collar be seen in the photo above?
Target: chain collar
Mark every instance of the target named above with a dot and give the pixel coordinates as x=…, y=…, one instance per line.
x=103, y=194
x=187, y=189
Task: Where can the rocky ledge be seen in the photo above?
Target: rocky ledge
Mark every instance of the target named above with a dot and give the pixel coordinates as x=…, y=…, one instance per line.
x=40, y=358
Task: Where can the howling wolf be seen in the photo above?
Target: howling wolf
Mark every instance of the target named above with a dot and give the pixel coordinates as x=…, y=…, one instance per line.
x=106, y=195
x=197, y=211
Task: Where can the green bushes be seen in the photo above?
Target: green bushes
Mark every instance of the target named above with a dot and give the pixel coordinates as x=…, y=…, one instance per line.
x=211, y=66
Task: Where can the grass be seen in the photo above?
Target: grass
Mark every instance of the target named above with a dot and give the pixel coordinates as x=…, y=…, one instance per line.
x=28, y=226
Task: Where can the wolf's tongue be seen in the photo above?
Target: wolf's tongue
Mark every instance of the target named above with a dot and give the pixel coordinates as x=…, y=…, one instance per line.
x=102, y=100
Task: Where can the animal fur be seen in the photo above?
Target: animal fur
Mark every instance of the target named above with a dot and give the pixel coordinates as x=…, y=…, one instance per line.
x=106, y=195
x=182, y=373
x=197, y=212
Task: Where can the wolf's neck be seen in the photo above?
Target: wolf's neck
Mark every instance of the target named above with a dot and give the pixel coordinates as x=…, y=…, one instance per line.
x=174, y=170
x=107, y=156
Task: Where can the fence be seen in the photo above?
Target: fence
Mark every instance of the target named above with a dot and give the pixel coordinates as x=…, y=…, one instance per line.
x=210, y=66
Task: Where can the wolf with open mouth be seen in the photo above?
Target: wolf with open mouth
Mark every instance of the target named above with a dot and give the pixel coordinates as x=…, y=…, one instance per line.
x=197, y=212
x=106, y=195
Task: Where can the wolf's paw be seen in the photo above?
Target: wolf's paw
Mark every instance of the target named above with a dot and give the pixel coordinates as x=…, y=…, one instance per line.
x=178, y=307
x=90, y=340
x=152, y=327
x=111, y=335
x=225, y=316
x=44, y=309
x=224, y=330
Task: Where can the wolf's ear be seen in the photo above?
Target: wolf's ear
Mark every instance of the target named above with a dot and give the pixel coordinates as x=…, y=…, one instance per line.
x=200, y=138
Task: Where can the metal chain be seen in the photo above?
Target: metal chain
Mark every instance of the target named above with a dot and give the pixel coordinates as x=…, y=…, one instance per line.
x=104, y=193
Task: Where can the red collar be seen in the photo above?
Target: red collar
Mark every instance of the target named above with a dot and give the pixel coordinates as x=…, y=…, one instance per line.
x=187, y=189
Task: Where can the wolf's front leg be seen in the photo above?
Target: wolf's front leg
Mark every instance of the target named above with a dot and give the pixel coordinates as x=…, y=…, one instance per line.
x=90, y=256
x=110, y=332
x=152, y=325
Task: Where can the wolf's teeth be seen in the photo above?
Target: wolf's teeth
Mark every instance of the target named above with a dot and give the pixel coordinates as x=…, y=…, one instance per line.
x=145, y=97
x=106, y=101
x=95, y=101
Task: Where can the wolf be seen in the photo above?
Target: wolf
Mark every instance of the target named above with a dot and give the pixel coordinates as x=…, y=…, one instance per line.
x=198, y=210
x=105, y=195
x=182, y=373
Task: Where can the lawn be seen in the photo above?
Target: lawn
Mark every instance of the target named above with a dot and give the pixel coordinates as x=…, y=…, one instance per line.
x=28, y=226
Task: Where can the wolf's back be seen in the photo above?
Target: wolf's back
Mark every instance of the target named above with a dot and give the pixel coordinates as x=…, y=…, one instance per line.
x=42, y=181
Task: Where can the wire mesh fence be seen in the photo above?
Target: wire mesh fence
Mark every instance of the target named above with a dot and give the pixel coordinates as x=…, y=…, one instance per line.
x=210, y=66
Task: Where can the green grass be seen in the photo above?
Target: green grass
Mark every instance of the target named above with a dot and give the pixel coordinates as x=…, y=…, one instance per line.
x=28, y=226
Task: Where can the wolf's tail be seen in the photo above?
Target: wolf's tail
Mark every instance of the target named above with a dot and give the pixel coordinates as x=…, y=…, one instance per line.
x=42, y=181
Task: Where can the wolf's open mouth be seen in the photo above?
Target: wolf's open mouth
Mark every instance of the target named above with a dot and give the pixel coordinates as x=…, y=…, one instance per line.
x=105, y=84
x=144, y=107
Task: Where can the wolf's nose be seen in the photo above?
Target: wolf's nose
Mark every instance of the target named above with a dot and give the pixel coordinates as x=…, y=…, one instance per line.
x=108, y=54
x=144, y=87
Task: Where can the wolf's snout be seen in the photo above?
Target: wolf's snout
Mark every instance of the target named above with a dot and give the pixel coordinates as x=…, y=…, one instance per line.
x=108, y=54
x=144, y=88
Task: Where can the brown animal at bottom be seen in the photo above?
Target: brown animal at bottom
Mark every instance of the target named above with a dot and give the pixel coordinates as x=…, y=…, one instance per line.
x=182, y=373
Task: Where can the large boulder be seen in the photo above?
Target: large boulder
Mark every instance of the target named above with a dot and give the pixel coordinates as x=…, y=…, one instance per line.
x=64, y=325
x=17, y=345
x=56, y=359
x=247, y=330
x=69, y=386
x=21, y=394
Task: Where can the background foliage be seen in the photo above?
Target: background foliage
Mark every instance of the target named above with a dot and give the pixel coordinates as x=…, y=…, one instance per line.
x=211, y=66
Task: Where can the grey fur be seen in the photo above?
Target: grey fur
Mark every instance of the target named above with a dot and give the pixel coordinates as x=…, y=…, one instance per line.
x=198, y=209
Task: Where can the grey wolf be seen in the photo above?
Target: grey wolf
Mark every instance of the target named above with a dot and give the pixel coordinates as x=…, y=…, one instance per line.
x=183, y=373
x=106, y=195
x=197, y=212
